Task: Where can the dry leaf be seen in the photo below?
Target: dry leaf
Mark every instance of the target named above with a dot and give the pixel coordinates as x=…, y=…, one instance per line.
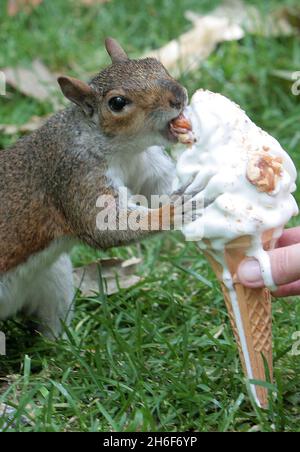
x=37, y=82
x=229, y=22
x=15, y=6
x=292, y=15
x=6, y=410
x=252, y=20
x=188, y=50
x=117, y=274
x=8, y=413
x=33, y=124
x=8, y=129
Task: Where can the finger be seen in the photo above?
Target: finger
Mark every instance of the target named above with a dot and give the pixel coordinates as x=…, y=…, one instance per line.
x=288, y=290
x=289, y=237
x=285, y=266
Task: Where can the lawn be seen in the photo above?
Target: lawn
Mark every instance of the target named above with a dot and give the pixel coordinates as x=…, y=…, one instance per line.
x=159, y=356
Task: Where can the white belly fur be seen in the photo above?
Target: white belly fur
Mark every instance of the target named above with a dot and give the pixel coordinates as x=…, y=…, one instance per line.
x=20, y=287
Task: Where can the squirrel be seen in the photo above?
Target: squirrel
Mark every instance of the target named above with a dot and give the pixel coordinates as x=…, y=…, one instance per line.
x=111, y=135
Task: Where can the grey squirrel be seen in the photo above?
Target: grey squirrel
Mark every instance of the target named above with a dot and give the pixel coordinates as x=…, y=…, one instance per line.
x=110, y=136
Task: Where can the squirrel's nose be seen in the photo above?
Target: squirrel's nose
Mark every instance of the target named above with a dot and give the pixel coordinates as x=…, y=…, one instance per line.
x=177, y=94
x=179, y=98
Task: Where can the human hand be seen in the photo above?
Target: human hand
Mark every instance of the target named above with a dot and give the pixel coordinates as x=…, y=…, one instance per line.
x=285, y=264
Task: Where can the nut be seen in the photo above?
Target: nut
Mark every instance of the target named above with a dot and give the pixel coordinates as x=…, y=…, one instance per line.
x=264, y=171
x=181, y=127
x=182, y=122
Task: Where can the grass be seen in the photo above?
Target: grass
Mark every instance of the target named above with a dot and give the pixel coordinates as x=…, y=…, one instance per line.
x=159, y=356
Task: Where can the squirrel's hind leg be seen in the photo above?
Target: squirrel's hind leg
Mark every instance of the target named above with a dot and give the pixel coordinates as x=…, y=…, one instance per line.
x=54, y=297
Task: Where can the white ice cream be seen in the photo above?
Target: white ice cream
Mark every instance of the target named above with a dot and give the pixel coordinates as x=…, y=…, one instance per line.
x=226, y=142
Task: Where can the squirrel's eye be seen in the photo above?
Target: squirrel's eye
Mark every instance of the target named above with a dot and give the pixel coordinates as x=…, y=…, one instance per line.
x=117, y=103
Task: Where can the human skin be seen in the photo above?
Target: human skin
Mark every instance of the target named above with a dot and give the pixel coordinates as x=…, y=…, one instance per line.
x=285, y=264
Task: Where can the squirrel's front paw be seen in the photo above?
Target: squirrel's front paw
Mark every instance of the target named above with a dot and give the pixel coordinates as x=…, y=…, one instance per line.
x=188, y=207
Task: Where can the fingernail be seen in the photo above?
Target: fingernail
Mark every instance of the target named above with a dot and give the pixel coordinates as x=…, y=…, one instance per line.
x=249, y=272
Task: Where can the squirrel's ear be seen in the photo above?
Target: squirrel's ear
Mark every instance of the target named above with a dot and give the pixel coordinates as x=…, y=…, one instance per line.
x=78, y=92
x=115, y=51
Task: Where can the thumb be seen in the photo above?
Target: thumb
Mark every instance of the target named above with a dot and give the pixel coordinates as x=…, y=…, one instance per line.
x=285, y=265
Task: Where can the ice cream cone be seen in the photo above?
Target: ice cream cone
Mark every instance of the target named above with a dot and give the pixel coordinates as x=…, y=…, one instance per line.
x=246, y=180
x=250, y=315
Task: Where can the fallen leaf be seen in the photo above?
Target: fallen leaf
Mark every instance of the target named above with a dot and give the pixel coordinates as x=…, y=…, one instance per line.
x=33, y=124
x=15, y=6
x=7, y=414
x=187, y=51
x=291, y=15
x=229, y=22
x=5, y=409
x=37, y=82
x=252, y=20
x=116, y=273
x=8, y=129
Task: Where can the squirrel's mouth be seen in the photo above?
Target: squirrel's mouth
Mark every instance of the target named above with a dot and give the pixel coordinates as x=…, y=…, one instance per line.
x=168, y=134
x=180, y=130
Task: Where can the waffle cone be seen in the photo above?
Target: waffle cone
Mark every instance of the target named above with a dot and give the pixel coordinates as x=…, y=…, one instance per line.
x=254, y=307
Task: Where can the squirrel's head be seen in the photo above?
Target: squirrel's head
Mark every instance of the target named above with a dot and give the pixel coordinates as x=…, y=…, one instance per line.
x=129, y=100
